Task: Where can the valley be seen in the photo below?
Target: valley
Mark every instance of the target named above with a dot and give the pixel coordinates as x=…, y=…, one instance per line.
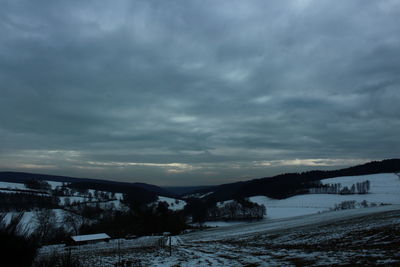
x=342, y=221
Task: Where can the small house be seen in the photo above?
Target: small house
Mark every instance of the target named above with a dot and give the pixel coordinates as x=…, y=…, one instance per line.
x=88, y=239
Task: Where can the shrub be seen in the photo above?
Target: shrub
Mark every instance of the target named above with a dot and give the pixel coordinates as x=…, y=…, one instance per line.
x=17, y=248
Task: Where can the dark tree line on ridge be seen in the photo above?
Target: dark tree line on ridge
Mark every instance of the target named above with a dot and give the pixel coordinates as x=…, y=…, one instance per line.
x=290, y=184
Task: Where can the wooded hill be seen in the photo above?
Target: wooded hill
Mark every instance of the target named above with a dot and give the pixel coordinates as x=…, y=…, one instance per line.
x=140, y=192
x=289, y=184
x=279, y=186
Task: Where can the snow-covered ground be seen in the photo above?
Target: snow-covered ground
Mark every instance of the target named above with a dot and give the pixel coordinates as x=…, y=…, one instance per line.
x=173, y=203
x=72, y=199
x=385, y=188
x=55, y=184
x=220, y=223
x=12, y=185
x=28, y=222
x=254, y=228
x=361, y=237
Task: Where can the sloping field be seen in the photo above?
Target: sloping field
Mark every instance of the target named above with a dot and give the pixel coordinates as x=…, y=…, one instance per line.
x=385, y=188
x=358, y=237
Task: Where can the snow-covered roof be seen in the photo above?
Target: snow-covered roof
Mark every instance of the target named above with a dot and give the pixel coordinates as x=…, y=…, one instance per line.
x=80, y=238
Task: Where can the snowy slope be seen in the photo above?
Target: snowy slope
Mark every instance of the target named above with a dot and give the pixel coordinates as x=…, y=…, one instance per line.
x=300, y=241
x=173, y=204
x=28, y=222
x=256, y=228
x=12, y=185
x=385, y=188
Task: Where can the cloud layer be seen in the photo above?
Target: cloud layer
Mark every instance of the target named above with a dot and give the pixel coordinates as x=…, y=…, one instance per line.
x=197, y=92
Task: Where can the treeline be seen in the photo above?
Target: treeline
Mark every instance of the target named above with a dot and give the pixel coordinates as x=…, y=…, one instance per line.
x=235, y=210
x=26, y=201
x=358, y=188
x=201, y=210
x=139, y=221
x=37, y=184
x=352, y=204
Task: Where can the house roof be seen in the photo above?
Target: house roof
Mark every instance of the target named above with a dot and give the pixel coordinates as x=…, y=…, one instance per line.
x=80, y=238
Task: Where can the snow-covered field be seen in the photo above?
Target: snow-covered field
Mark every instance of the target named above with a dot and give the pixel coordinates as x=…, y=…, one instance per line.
x=12, y=185
x=369, y=236
x=173, y=204
x=254, y=228
x=385, y=188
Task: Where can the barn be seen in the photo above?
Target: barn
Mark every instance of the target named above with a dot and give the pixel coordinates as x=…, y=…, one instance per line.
x=88, y=239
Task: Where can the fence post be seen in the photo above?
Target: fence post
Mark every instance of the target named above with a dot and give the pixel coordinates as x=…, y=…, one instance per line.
x=170, y=246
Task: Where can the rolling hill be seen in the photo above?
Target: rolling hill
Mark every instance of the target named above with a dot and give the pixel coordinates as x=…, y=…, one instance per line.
x=290, y=184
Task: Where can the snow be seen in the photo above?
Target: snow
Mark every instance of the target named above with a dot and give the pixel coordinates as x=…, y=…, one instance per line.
x=223, y=203
x=72, y=199
x=12, y=185
x=119, y=196
x=54, y=184
x=299, y=241
x=113, y=244
x=111, y=204
x=173, y=203
x=223, y=223
x=80, y=238
x=385, y=188
x=28, y=221
x=206, y=194
x=255, y=228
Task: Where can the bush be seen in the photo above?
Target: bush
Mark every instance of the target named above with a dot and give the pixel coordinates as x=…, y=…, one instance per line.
x=17, y=248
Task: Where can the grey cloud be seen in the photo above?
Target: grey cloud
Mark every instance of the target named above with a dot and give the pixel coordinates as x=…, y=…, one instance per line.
x=213, y=85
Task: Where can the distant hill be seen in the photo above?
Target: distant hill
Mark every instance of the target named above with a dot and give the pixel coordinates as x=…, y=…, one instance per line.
x=21, y=177
x=289, y=184
x=279, y=186
x=184, y=190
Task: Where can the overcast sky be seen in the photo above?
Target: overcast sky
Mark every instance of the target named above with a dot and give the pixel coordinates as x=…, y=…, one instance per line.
x=197, y=92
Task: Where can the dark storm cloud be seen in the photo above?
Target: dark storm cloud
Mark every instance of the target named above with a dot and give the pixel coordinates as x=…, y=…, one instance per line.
x=197, y=91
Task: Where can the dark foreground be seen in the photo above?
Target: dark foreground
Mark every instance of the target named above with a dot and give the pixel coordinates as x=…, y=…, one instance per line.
x=370, y=240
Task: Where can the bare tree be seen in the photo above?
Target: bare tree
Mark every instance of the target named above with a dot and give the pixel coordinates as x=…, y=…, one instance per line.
x=45, y=224
x=67, y=201
x=74, y=222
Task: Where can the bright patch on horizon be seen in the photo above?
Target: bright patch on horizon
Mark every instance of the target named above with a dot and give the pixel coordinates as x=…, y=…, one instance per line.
x=311, y=162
